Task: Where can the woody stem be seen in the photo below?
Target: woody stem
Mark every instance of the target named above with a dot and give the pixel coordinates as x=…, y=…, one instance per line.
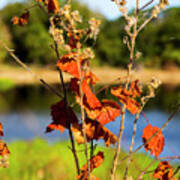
x=66, y=106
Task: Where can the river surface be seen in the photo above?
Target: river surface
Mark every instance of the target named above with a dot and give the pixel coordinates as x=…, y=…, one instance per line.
x=25, y=114
x=28, y=125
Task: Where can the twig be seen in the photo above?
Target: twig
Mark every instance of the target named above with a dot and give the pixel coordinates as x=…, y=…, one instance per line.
x=145, y=169
x=115, y=161
x=145, y=117
x=145, y=23
x=131, y=146
x=10, y=51
x=30, y=7
x=176, y=171
x=83, y=116
x=66, y=106
x=137, y=7
x=92, y=149
x=130, y=65
x=42, y=8
x=146, y=5
x=164, y=125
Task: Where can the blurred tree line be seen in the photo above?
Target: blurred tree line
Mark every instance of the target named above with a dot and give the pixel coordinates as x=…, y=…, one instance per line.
x=159, y=43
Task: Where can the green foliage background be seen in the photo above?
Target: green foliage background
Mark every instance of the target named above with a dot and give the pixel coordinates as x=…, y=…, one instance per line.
x=159, y=42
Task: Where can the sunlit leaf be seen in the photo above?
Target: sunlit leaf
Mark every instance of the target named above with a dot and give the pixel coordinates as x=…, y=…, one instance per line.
x=110, y=110
x=22, y=20
x=164, y=171
x=94, y=131
x=95, y=162
x=156, y=144
x=127, y=97
x=3, y=149
x=90, y=98
x=68, y=64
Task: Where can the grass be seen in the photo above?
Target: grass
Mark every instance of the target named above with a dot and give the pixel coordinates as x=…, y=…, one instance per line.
x=36, y=160
x=6, y=84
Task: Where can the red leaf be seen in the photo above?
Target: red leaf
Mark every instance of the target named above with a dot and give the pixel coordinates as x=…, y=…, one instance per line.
x=90, y=98
x=53, y=6
x=156, y=144
x=68, y=64
x=1, y=129
x=110, y=110
x=94, y=131
x=61, y=116
x=3, y=149
x=164, y=171
x=23, y=20
x=95, y=162
x=128, y=96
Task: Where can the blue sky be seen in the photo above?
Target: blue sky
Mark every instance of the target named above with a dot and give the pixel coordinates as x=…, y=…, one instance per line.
x=106, y=7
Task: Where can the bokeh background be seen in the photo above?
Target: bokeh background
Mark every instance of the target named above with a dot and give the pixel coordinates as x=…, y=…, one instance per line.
x=25, y=104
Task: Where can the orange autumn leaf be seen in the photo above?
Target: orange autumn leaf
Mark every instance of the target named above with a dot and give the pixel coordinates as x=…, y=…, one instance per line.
x=68, y=64
x=53, y=6
x=94, y=131
x=134, y=88
x=156, y=144
x=105, y=113
x=4, y=149
x=110, y=110
x=164, y=171
x=91, y=78
x=1, y=129
x=128, y=96
x=95, y=162
x=22, y=20
x=90, y=98
x=61, y=116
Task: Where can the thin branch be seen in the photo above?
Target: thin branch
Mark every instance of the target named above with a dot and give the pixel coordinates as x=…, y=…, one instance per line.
x=23, y=65
x=164, y=125
x=145, y=117
x=118, y=150
x=145, y=169
x=137, y=7
x=60, y=72
x=30, y=7
x=131, y=146
x=83, y=117
x=129, y=71
x=92, y=149
x=66, y=105
x=176, y=171
x=145, y=23
x=42, y=8
x=146, y=5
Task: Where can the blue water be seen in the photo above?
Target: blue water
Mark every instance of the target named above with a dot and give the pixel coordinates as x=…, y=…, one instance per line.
x=28, y=125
